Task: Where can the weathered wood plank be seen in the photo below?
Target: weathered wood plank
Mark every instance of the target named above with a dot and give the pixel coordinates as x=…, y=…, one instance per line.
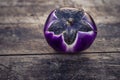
x=25, y=11
x=24, y=53
x=63, y=2
x=41, y=19
x=15, y=14
x=28, y=19
x=101, y=10
x=29, y=38
x=61, y=67
x=26, y=3
x=16, y=38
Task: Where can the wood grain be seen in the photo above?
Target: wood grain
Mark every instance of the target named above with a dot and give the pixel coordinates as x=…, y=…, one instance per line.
x=61, y=67
x=29, y=38
x=24, y=10
x=22, y=22
x=25, y=54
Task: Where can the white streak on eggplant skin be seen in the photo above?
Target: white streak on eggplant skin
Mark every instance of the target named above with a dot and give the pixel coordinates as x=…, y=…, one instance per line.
x=48, y=32
x=86, y=33
x=51, y=20
x=55, y=14
x=50, y=24
x=88, y=18
x=70, y=48
x=57, y=36
x=90, y=25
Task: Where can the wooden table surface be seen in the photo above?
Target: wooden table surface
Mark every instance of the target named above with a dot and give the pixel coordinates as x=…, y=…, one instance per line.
x=25, y=55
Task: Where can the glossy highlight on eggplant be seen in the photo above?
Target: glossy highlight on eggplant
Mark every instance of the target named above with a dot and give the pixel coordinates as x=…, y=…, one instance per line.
x=70, y=30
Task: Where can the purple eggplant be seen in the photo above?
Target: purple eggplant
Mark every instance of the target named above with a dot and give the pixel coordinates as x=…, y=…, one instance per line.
x=70, y=30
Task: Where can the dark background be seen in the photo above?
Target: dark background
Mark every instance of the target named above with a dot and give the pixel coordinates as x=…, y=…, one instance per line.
x=25, y=55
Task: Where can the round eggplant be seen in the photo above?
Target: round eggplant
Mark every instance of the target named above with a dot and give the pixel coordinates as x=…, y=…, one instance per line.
x=70, y=30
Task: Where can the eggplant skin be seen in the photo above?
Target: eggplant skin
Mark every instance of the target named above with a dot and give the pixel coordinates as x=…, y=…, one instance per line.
x=69, y=30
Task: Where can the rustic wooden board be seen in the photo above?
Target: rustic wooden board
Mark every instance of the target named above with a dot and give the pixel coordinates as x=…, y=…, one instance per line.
x=102, y=66
x=24, y=10
x=25, y=55
x=29, y=38
x=22, y=22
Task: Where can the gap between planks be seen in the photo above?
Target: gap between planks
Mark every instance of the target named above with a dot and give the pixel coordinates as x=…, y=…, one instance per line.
x=33, y=54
